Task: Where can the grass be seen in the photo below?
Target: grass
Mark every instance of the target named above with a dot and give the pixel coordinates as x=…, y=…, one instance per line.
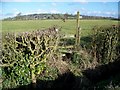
x=68, y=27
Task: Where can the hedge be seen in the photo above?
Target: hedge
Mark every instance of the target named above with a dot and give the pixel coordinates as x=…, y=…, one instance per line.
x=24, y=55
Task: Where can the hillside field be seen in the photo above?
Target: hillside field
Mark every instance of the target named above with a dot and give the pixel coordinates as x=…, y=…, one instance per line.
x=68, y=27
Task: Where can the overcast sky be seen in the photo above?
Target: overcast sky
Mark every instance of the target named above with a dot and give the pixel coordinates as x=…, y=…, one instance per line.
x=11, y=8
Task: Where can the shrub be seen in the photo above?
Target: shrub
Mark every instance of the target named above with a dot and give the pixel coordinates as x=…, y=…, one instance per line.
x=24, y=55
x=105, y=43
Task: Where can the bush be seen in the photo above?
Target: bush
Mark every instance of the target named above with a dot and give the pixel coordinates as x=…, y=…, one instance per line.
x=105, y=43
x=24, y=56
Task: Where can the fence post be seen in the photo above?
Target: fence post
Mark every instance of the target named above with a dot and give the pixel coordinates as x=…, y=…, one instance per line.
x=77, y=35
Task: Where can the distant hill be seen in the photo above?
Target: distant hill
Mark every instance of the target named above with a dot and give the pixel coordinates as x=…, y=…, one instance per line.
x=53, y=16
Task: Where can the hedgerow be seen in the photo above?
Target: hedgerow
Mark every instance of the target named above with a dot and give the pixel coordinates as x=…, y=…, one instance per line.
x=105, y=42
x=24, y=55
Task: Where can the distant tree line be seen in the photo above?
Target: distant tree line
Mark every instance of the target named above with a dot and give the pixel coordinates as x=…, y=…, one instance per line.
x=19, y=16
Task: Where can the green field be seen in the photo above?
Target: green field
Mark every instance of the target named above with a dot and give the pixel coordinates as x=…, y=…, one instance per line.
x=34, y=57
x=68, y=27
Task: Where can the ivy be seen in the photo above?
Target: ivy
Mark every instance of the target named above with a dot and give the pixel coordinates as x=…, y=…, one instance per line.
x=24, y=55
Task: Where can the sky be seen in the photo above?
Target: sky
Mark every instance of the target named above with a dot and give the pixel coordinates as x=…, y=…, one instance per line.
x=85, y=7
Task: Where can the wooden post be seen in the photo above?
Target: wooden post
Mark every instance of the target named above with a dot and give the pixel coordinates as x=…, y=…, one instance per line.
x=77, y=36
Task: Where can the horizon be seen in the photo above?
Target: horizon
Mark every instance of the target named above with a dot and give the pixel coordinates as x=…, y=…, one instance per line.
x=63, y=14
x=103, y=9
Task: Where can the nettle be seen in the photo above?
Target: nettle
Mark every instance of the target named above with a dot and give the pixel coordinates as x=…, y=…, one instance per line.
x=105, y=43
x=24, y=55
